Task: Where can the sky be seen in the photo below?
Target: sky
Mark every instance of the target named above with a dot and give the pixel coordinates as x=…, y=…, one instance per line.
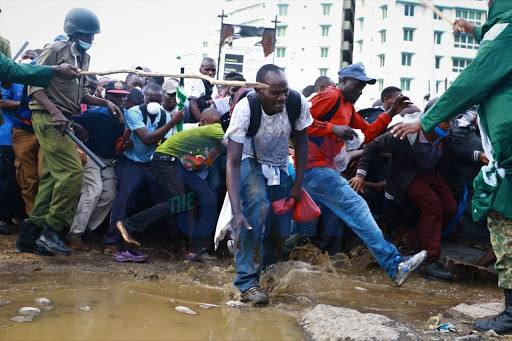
x=133, y=32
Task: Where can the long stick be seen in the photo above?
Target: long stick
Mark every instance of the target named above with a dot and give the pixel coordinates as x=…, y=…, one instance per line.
x=437, y=11
x=179, y=75
x=85, y=149
x=22, y=48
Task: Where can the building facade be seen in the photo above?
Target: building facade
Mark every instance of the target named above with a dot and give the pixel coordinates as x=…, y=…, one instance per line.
x=405, y=44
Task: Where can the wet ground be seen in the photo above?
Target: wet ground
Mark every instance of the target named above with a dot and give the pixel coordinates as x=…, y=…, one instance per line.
x=132, y=301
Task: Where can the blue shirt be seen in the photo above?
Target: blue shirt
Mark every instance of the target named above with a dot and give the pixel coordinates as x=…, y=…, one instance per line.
x=134, y=120
x=13, y=94
x=104, y=130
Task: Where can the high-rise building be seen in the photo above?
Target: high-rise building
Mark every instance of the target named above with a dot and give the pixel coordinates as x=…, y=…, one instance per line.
x=405, y=44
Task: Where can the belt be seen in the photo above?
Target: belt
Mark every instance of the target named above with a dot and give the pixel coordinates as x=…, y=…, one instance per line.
x=163, y=157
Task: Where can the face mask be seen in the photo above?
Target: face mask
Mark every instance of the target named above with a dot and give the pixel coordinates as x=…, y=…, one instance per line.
x=440, y=132
x=153, y=108
x=84, y=45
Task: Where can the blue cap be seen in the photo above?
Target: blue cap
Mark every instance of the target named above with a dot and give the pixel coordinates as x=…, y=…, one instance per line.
x=356, y=71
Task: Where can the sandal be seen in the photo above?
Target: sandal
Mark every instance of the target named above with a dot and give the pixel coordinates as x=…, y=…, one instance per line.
x=130, y=256
x=110, y=249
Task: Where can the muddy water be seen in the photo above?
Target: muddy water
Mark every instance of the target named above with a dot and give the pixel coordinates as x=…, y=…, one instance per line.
x=127, y=308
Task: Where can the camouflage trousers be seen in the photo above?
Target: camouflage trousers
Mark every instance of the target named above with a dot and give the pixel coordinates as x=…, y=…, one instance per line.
x=501, y=239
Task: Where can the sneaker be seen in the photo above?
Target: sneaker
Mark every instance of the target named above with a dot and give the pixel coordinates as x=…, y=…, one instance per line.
x=407, y=266
x=255, y=296
x=4, y=228
x=435, y=269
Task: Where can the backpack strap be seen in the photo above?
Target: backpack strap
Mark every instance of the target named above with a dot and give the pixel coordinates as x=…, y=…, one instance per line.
x=144, y=110
x=327, y=117
x=293, y=107
x=255, y=106
x=163, y=117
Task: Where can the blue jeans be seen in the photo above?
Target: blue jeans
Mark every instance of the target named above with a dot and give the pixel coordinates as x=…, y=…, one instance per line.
x=268, y=229
x=326, y=186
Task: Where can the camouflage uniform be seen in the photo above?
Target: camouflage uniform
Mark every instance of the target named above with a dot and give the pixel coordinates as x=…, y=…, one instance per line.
x=501, y=239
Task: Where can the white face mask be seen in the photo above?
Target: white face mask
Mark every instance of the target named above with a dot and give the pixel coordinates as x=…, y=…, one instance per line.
x=26, y=61
x=153, y=108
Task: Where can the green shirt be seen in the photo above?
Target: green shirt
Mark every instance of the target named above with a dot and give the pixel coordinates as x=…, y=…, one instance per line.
x=24, y=73
x=196, y=147
x=487, y=81
x=65, y=94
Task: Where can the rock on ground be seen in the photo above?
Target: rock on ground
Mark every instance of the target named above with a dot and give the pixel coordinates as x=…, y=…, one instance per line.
x=4, y=302
x=43, y=301
x=22, y=318
x=85, y=308
x=29, y=311
x=185, y=310
x=478, y=311
x=326, y=322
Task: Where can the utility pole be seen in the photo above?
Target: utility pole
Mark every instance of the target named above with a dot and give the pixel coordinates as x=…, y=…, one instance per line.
x=222, y=16
x=275, y=21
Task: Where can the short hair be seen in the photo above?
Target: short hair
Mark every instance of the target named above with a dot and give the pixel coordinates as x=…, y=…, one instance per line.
x=154, y=87
x=308, y=90
x=430, y=104
x=262, y=72
x=93, y=77
x=158, y=80
x=388, y=91
x=237, y=78
x=130, y=76
x=232, y=74
x=208, y=59
x=323, y=80
x=135, y=96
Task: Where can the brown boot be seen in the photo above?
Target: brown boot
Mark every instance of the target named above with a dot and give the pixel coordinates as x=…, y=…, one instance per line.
x=74, y=241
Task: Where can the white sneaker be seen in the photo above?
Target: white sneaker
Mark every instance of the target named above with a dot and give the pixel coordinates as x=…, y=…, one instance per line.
x=407, y=267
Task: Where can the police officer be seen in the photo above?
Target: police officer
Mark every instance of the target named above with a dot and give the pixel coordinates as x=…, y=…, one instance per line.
x=52, y=111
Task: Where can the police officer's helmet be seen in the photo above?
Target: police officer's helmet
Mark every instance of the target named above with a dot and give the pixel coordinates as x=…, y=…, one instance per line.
x=81, y=20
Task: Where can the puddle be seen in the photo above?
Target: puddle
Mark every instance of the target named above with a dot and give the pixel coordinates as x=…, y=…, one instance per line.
x=124, y=307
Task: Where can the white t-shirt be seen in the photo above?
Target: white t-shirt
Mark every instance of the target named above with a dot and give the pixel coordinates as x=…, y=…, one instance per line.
x=272, y=139
x=197, y=90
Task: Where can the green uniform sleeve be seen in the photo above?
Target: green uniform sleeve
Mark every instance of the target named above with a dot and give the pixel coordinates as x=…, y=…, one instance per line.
x=24, y=73
x=477, y=33
x=489, y=69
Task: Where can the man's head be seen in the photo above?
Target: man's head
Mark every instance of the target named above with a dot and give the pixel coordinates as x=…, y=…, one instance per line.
x=134, y=81
x=273, y=99
x=29, y=54
x=135, y=97
x=322, y=83
x=208, y=67
x=81, y=25
x=388, y=96
x=169, y=89
x=92, y=84
x=153, y=93
x=308, y=91
x=352, y=80
x=234, y=89
x=412, y=109
x=102, y=83
x=116, y=92
x=209, y=116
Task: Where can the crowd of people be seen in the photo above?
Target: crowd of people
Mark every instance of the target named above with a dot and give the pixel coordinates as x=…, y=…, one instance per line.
x=392, y=176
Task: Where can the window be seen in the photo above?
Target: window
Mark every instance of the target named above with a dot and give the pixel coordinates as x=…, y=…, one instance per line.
x=437, y=37
x=362, y=3
x=381, y=85
x=459, y=64
x=382, y=60
x=325, y=30
x=438, y=86
x=384, y=12
x=205, y=55
x=473, y=17
x=281, y=52
x=361, y=23
x=406, y=59
x=465, y=41
x=438, y=62
x=283, y=9
x=408, y=34
x=205, y=44
x=323, y=71
x=405, y=84
x=326, y=9
x=281, y=31
x=383, y=36
x=324, y=52
x=409, y=10
x=360, y=46
x=436, y=17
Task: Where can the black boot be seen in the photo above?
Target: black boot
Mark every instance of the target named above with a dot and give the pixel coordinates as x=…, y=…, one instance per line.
x=29, y=233
x=53, y=241
x=501, y=324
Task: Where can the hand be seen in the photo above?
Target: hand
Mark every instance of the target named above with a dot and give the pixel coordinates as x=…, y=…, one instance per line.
x=380, y=186
x=60, y=122
x=80, y=132
x=237, y=224
x=461, y=25
x=405, y=129
x=357, y=183
x=115, y=111
x=178, y=116
x=65, y=71
x=484, y=159
x=400, y=103
x=344, y=132
x=296, y=192
x=128, y=144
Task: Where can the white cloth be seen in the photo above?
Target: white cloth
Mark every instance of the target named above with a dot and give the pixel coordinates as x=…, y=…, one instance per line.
x=272, y=139
x=492, y=170
x=174, y=129
x=224, y=222
x=343, y=158
x=197, y=90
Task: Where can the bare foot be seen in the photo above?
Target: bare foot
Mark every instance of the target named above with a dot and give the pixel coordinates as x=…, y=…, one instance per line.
x=126, y=236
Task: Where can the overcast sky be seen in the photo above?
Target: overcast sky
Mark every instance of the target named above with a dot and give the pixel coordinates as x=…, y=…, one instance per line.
x=133, y=32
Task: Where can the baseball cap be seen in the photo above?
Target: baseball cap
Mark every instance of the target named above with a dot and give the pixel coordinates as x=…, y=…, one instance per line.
x=170, y=86
x=356, y=71
x=116, y=87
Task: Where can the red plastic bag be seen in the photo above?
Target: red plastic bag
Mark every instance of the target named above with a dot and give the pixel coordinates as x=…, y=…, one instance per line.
x=282, y=206
x=306, y=209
